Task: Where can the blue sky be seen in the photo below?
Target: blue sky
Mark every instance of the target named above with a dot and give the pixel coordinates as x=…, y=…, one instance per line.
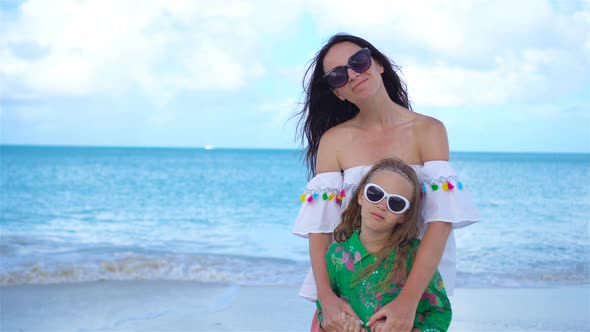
x=501, y=75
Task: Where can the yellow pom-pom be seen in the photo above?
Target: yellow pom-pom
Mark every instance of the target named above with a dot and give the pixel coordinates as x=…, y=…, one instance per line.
x=331, y=197
x=302, y=198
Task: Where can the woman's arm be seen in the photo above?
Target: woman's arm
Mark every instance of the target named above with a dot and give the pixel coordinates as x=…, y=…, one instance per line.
x=337, y=314
x=435, y=307
x=332, y=305
x=432, y=143
x=318, y=246
x=400, y=313
x=427, y=259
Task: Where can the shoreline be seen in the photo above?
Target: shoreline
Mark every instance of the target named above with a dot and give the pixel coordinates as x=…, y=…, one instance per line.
x=193, y=306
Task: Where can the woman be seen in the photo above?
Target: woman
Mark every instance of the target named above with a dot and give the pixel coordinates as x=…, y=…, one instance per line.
x=357, y=112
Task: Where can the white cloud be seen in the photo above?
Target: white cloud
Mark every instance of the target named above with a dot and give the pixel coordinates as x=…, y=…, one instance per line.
x=110, y=46
x=279, y=114
x=531, y=76
x=474, y=52
x=453, y=52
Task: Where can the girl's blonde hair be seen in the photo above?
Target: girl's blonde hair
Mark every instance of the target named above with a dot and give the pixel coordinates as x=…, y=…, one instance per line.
x=401, y=236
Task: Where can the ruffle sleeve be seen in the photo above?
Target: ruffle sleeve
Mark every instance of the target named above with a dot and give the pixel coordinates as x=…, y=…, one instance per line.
x=445, y=196
x=320, y=204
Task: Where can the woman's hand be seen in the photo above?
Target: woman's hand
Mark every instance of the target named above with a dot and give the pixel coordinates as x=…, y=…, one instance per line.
x=338, y=316
x=398, y=315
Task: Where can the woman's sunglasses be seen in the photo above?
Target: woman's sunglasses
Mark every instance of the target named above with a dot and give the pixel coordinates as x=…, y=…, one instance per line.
x=359, y=62
x=395, y=203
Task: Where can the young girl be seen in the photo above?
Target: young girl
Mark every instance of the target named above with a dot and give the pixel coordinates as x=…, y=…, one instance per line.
x=376, y=246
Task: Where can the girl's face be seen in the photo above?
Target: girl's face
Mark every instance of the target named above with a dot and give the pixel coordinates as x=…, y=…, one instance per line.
x=359, y=85
x=378, y=217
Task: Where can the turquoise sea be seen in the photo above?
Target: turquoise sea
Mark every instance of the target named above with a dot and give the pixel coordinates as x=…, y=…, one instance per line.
x=70, y=214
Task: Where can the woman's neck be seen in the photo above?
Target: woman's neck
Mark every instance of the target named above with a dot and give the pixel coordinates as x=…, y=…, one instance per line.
x=381, y=112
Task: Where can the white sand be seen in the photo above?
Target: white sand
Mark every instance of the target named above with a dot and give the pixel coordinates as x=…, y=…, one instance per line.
x=188, y=306
x=521, y=309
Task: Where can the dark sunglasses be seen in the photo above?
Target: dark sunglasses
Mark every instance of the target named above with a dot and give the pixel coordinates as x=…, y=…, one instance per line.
x=359, y=62
x=395, y=203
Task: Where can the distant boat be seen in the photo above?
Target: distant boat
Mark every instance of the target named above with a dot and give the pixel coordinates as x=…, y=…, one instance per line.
x=208, y=147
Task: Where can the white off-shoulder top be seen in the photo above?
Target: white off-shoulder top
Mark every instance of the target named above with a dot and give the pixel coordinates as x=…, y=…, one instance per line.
x=444, y=198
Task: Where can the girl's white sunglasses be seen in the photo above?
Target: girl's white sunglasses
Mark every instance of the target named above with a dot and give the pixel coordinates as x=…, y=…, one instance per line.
x=395, y=203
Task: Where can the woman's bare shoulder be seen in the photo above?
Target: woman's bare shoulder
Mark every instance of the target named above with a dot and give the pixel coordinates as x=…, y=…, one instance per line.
x=425, y=122
x=432, y=138
x=332, y=144
x=328, y=151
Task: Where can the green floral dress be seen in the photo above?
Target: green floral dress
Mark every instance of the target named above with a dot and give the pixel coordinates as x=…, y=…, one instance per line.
x=346, y=261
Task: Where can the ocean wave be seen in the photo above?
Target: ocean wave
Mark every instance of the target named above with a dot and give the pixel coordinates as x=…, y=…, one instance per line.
x=532, y=280
x=235, y=270
x=199, y=268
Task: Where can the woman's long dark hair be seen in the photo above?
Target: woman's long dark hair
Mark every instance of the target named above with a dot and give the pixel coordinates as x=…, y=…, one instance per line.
x=322, y=110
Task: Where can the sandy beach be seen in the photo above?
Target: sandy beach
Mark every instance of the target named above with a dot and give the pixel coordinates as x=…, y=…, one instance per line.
x=190, y=306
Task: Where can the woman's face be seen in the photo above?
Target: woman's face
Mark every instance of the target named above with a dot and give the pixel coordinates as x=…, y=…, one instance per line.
x=359, y=85
x=376, y=216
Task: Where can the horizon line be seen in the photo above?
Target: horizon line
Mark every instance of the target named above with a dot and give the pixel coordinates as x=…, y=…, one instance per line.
x=208, y=147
